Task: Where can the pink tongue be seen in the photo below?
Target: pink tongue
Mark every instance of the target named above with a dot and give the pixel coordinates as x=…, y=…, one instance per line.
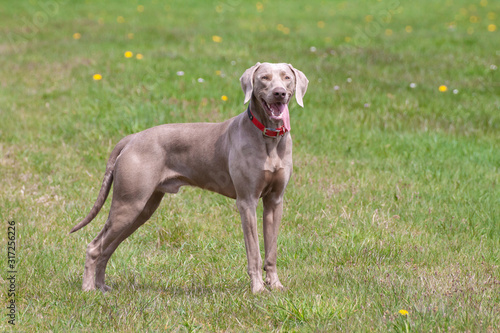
x=286, y=118
x=283, y=111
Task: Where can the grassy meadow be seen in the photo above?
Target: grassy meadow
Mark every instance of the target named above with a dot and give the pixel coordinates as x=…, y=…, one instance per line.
x=392, y=216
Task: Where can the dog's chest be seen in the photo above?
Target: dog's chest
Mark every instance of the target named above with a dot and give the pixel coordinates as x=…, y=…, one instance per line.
x=278, y=157
x=273, y=163
x=276, y=175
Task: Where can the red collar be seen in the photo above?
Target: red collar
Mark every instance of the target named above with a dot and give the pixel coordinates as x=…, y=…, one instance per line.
x=269, y=132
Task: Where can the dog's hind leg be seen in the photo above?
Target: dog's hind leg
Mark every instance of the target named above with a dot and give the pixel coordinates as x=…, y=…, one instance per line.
x=127, y=213
x=135, y=198
x=93, y=251
x=121, y=217
x=120, y=236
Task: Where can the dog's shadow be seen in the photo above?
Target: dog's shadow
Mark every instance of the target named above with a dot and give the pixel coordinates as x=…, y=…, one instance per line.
x=128, y=283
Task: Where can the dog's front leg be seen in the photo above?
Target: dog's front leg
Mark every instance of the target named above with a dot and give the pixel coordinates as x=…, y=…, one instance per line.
x=273, y=211
x=247, y=208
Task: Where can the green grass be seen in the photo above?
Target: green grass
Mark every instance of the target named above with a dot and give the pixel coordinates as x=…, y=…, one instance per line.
x=394, y=202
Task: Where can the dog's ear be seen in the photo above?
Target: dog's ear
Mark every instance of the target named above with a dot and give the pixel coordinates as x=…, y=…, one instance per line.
x=301, y=82
x=247, y=82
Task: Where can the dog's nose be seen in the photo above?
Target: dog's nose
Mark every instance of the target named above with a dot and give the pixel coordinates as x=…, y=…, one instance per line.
x=279, y=93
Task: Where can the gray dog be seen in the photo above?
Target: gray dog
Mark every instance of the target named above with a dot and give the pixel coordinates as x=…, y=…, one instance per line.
x=245, y=158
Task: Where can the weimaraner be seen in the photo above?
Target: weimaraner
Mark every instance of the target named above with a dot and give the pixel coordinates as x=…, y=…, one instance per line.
x=245, y=158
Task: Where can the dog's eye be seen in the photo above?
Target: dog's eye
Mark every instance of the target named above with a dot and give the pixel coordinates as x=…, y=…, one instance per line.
x=265, y=77
x=287, y=77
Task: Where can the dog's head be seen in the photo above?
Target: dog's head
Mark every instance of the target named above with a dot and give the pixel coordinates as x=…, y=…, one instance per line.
x=272, y=86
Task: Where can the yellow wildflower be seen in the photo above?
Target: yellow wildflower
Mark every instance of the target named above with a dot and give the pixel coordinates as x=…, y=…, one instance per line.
x=403, y=312
x=492, y=27
x=217, y=39
x=139, y=56
x=443, y=88
x=97, y=77
x=120, y=19
x=128, y=54
x=224, y=98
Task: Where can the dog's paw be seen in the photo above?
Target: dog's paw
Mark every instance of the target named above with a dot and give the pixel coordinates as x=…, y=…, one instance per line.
x=258, y=288
x=104, y=288
x=275, y=285
x=88, y=286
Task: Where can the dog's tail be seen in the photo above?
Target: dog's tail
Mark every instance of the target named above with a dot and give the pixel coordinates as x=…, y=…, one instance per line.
x=106, y=184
